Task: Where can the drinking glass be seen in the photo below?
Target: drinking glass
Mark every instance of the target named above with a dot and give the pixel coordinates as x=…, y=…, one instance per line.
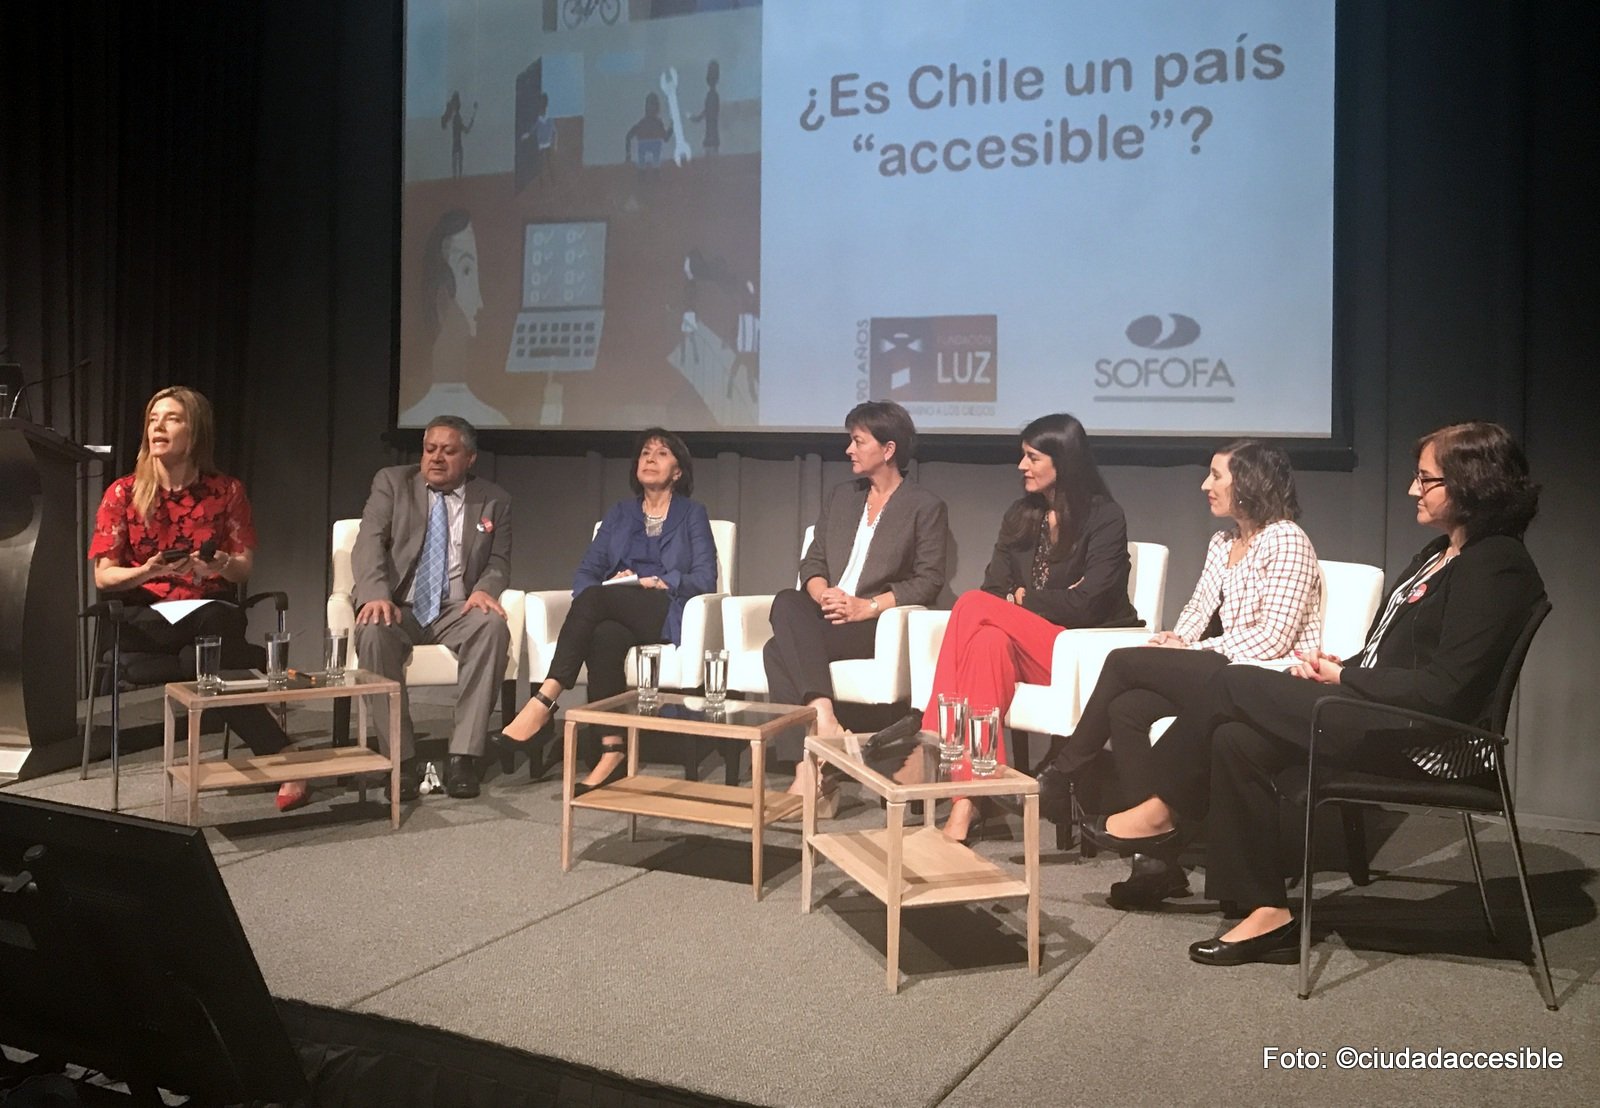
x=208, y=663
x=952, y=726
x=335, y=652
x=716, y=676
x=649, y=673
x=983, y=740
x=277, y=659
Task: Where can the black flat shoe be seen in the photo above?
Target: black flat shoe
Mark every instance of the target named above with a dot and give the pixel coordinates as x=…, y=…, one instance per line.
x=618, y=772
x=1094, y=830
x=1280, y=946
x=1152, y=881
x=461, y=777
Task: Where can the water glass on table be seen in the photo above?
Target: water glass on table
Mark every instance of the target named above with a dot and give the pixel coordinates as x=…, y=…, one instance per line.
x=649, y=673
x=335, y=652
x=277, y=659
x=208, y=663
x=716, y=676
x=983, y=740
x=952, y=726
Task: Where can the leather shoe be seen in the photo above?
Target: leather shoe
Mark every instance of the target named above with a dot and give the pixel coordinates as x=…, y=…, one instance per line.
x=1280, y=946
x=1055, y=796
x=410, y=781
x=1095, y=831
x=1152, y=881
x=461, y=776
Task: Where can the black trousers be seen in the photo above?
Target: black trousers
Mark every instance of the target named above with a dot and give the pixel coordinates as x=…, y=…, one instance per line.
x=797, y=656
x=605, y=622
x=1219, y=763
x=802, y=645
x=1138, y=685
x=146, y=631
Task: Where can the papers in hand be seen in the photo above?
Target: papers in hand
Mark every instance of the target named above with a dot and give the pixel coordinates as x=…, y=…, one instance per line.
x=174, y=610
x=625, y=579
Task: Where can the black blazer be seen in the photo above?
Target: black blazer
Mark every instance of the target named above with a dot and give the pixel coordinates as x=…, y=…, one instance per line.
x=1444, y=651
x=1099, y=560
x=907, y=555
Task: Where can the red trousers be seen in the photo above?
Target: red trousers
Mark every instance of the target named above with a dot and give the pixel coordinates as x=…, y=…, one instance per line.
x=989, y=645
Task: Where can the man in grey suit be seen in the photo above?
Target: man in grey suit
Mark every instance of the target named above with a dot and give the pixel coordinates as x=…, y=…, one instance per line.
x=432, y=558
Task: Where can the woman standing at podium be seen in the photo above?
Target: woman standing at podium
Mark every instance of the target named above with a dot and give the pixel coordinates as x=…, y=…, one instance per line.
x=176, y=529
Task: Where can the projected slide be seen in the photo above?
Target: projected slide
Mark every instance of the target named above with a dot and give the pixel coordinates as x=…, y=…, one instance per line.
x=747, y=217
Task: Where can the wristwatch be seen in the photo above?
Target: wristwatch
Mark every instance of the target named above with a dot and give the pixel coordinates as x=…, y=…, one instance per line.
x=873, y=603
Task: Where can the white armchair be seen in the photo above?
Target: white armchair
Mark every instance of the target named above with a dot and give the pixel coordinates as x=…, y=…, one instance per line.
x=1053, y=708
x=883, y=678
x=429, y=665
x=681, y=665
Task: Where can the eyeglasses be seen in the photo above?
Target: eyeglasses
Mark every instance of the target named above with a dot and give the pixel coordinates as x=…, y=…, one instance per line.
x=1426, y=481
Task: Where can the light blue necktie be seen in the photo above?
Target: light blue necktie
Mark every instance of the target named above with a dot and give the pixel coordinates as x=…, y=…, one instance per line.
x=429, y=589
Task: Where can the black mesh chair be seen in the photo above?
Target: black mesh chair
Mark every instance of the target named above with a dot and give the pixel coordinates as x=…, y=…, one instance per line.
x=1470, y=797
x=115, y=670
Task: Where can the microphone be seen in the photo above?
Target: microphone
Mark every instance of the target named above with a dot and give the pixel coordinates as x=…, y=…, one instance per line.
x=73, y=372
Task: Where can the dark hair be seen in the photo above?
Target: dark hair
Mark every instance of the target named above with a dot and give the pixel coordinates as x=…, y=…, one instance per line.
x=437, y=275
x=887, y=422
x=680, y=455
x=1486, y=474
x=468, y=433
x=1078, y=484
x=1263, y=483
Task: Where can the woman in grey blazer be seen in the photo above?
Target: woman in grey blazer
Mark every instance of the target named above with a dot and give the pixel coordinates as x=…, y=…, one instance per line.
x=879, y=542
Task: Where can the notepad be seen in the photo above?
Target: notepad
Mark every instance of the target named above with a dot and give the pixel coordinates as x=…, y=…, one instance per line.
x=625, y=579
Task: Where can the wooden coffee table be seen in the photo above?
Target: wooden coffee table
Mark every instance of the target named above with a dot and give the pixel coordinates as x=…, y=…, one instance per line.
x=673, y=797
x=194, y=775
x=920, y=868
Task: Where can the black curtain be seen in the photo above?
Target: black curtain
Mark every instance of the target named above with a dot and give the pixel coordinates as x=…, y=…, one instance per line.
x=126, y=151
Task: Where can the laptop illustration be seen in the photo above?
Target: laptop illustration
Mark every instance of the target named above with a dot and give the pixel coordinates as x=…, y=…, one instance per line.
x=563, y=295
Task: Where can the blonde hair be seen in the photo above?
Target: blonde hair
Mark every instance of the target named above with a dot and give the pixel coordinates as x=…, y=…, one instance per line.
x=197, y=411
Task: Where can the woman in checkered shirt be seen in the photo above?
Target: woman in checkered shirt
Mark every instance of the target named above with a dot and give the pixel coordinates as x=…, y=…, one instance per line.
x=1259, y=598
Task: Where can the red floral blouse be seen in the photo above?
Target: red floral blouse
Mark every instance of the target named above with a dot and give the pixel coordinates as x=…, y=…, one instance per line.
x=213, y=507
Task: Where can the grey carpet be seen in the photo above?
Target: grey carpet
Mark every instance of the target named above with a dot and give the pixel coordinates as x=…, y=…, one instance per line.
x=651, y=958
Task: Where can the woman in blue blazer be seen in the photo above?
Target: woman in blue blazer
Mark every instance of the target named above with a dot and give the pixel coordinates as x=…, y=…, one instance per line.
x=657, y=551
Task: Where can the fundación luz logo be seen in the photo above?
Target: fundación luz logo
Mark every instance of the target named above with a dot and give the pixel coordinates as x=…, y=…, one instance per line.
x=934, y=358
x=1169, y=371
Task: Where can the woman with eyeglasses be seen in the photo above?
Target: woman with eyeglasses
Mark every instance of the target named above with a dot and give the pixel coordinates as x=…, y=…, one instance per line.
x=1437, y=646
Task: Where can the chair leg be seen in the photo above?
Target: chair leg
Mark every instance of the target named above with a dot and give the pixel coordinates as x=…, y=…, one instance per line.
x=341, y=721
x=1477, y=874
x=1086, y=849
x=116, y=728
x=1355, y=844
x=88, y=721
x=1546, y=989
x=731, y=762
x=1304, y=991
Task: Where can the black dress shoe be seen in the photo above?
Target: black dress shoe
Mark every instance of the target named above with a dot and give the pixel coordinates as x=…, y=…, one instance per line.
x=410, y=781
x=618, y=772
x=1095, y=831
x=1055, y=796
x=1280, y=946
x=461, y=776
x=1152, y=881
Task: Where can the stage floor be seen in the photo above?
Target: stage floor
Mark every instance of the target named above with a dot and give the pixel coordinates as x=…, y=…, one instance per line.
x=651, y=960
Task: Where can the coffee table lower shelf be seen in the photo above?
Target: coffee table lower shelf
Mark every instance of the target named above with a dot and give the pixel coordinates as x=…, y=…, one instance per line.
x=689, y=801
x=933, y=869
x=275, y=769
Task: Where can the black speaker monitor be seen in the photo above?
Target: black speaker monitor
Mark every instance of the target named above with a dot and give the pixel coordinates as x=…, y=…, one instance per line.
x=120, y=951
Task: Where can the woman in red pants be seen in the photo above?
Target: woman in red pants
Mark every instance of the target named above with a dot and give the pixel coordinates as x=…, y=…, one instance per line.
x=1061, y=561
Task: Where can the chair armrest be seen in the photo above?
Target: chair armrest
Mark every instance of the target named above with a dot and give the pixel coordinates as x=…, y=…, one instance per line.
x=103, y=609
x=889, y=644
x=702, y=631
x=746, y=622
x=341, y=612
x=515, y=602
x=1080, y=654
x=544, y=611
x=924, y=637
x=1332, y=704
x=280, y=601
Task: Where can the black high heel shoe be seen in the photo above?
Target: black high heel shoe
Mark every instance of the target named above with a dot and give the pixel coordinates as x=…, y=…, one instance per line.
x=618, y=771
x=1163, y=845
x=508, y=747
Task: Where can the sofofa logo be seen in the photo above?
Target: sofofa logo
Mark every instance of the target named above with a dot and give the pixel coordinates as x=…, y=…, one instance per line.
x=935, y=358
x=1153, y=333
x=1183, y=376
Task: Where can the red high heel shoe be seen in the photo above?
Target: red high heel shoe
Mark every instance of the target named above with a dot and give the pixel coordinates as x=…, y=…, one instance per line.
x=293, y=794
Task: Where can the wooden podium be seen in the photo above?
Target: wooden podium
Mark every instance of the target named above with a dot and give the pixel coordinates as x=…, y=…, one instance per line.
x=38, y=597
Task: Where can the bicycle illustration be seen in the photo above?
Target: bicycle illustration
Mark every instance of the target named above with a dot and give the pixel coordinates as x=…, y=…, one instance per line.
x=577, y=13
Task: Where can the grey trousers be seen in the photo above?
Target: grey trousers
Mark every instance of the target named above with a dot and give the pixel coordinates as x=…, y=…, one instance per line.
x=479, y=640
